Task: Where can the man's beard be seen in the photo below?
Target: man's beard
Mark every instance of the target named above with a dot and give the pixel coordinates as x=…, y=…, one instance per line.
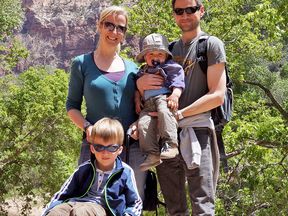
x=193, y=25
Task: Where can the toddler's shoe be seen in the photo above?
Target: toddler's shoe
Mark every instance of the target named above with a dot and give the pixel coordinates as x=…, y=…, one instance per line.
x=151, y=161
x=168, y=151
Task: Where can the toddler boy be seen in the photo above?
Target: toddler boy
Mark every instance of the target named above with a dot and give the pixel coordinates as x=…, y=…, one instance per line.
x=164, y=101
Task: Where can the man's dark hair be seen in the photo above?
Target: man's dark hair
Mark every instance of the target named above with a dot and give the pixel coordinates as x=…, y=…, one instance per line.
x=198, y=3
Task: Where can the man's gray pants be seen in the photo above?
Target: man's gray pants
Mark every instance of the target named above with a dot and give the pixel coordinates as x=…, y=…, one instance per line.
x=173, y=173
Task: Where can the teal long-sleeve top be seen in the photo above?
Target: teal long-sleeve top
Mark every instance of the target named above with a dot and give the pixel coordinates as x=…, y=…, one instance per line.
x=103, y=97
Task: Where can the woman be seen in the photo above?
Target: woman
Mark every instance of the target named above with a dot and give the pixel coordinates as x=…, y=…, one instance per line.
x=107, y=82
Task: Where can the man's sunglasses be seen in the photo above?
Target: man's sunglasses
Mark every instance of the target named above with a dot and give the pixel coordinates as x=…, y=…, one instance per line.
x=188, y=10
x=111, y=26
x=111, y=148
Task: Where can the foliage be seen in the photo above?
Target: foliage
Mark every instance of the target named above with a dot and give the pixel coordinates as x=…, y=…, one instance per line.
x=11, y=50
x=257, y=181
x=146, y=17
x=11, y=53
x=37, y=140
x=11, y=16
x=251, y=32
x=38, y=144
x=254, y=33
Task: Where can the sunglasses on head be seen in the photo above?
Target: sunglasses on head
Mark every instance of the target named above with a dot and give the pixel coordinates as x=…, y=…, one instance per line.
x=188, y=10
x=111, y=148
x=111, y=26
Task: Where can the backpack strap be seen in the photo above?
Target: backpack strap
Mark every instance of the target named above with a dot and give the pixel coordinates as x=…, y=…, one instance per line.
x=201, y=58
x=171, y=45
x=201, y=52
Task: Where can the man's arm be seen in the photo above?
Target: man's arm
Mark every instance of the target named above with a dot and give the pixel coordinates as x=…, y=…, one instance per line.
x=216, y=80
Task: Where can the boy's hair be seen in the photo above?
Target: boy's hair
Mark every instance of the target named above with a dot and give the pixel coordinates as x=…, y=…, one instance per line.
x=198, y=3
x=108, y=129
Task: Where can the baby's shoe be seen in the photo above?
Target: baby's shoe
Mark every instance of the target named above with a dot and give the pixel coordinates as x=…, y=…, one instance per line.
x=168, y=151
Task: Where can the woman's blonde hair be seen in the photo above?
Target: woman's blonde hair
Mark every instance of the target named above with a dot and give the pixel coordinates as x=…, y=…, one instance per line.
x=108, y=129
x=114, y=11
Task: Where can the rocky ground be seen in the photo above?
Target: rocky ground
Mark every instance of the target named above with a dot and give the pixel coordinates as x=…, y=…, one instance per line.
x=15, y=208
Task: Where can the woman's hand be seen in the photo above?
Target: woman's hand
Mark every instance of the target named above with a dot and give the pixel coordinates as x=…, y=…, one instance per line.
x=138, y=102
x=88, y=134
x=138, y=106
x=133, y=131
x=149, y=81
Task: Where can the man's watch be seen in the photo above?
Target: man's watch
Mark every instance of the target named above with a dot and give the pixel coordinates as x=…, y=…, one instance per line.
x=179, y=115
x=86, y=125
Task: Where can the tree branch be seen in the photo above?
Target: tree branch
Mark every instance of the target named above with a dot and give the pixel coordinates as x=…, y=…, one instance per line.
x=262, y=143
x=271, y=97
x=267, y=144
x=25, y=146
x=233, y=173
x=258, y=207
x=234, y=153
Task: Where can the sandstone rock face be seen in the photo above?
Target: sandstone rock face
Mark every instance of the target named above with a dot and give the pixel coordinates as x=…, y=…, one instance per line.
x=55, y=31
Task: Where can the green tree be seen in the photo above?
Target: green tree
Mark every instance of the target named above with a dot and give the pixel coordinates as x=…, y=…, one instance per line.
x=11, y=49
x=11, y=15
x=11, y=52
x=255, y=35
x=39, y=145
x=37, y=140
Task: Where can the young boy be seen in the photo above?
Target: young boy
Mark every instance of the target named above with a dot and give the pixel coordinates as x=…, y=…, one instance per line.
x=163, y=101
x=103, y=185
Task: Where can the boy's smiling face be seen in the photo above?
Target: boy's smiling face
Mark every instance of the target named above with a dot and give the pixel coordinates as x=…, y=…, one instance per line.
x=105, y=159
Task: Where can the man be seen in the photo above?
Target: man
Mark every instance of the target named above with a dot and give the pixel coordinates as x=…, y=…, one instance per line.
x=203, y=92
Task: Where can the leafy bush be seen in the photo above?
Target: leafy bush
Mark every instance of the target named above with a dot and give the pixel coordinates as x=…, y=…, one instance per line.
x=38, y=143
